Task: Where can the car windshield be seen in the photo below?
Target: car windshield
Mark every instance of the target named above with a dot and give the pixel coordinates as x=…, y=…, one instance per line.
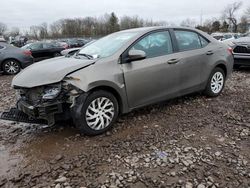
x=108, y=45
x=26, y=46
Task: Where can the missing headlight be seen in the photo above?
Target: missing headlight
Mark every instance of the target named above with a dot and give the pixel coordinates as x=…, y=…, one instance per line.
x=51, y=91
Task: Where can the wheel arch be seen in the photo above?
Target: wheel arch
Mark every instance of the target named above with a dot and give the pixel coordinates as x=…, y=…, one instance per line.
x=7, y=59
x=113, y=91
x=223, y=67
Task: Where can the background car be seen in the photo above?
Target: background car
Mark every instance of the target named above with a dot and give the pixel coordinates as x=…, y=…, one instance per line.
x=2, y=39
x=13, y=59
x=43, y=50
x=70, y=51
x=241, y=51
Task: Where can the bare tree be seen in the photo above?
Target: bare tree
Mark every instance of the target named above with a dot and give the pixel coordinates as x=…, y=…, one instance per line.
x=43, y=31
x=15, y=31
x=243, y=25
x=56, y=29
x=229, y=14
x=188, y=23
x=248, y=12
x=34, y=32
x=3, y=28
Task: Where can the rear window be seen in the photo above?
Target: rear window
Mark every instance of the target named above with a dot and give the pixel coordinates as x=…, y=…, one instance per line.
x=187, y=40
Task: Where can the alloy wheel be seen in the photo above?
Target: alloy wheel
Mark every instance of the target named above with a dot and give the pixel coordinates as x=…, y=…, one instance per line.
x=100, y=113
x=217, y=82
x=11, y=67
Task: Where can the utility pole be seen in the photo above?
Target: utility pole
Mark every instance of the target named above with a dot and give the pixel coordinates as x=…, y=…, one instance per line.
x=201, y=18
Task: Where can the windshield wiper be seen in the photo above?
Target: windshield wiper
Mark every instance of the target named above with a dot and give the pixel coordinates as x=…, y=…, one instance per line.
x=86, y=55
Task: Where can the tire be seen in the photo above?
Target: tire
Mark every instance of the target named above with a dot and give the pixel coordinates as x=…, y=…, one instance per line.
x=11, y=67
x=215, y=83
x=90, y=120
x=57, y=54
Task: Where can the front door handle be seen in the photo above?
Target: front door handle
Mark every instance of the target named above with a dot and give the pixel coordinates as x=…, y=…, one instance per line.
x=210, y=52
x=173, y=61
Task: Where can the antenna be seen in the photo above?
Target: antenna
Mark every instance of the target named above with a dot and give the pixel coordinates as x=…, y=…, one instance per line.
x=201, y=19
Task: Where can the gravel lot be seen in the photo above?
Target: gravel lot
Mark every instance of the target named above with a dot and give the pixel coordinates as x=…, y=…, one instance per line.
x=188, y=142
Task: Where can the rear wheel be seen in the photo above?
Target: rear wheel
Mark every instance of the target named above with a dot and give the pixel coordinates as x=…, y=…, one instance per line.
x=11, y=67
x=98, y=113
x=215, y=83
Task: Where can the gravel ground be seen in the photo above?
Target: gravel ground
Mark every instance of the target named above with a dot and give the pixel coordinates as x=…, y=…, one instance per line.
x=188, y=142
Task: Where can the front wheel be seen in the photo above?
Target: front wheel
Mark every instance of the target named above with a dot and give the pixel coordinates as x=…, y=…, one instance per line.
x=98, y=113
x=215, y=83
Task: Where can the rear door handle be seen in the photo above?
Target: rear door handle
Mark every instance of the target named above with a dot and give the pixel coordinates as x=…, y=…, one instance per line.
x=210, y=52
x=173, y=61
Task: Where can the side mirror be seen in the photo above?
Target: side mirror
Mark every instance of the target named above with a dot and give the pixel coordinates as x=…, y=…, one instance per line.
x=135, y=55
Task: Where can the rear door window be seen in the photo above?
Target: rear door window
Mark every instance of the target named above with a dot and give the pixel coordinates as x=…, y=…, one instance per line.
x=47, y=45
x=36, y=46
x=187, y=40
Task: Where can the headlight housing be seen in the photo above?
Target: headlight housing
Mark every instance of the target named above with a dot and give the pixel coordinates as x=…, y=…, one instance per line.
x=51, y=91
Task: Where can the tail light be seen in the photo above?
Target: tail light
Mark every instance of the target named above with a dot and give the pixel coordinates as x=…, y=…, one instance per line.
x=230, y=50
x=27, y=52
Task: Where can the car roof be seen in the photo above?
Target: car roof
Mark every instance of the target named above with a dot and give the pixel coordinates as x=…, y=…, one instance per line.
x=143, y=30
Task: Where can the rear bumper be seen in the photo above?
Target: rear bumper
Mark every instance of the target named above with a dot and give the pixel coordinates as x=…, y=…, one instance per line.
x=242, y=62
x=27, y=62
x=46, y=111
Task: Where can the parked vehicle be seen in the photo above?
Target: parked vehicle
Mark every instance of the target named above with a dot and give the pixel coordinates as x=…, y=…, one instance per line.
x=61, y=44
x=70, y=51
x=2, y=39
x=241, y=51
x=121, y=72
x=43, y=50
x=74, y=43
x=226, y=36
x=13, y=59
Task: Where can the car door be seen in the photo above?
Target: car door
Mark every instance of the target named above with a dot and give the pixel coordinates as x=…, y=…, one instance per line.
x=156, y=77
x=192, y=59
x=1, y=54
x=49, y=50
x=37, y=51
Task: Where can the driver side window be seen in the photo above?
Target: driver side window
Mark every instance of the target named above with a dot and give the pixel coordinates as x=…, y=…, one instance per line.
x=155, y=44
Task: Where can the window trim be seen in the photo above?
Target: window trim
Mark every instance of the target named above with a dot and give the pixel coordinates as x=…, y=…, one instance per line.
x=124, y=55
x=188, y=30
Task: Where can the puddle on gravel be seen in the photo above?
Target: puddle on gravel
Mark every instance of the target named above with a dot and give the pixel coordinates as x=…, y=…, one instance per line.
x=45, y=145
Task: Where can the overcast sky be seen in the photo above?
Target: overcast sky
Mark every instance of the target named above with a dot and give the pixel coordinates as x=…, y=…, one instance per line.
x=24, y=13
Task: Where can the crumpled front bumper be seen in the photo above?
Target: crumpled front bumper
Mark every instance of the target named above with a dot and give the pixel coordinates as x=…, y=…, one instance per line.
x=46, y=111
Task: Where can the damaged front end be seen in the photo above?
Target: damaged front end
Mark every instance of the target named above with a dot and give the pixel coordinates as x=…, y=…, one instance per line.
x=50, y=102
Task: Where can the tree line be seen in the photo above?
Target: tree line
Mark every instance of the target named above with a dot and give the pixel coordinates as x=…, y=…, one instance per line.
x=109, y=23
x=81, y=27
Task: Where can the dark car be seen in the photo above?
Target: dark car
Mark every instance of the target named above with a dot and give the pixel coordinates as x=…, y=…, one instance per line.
x=241, y=52
x=43, y=50
x=69, y=52
x=74, y=43
x=13, y=59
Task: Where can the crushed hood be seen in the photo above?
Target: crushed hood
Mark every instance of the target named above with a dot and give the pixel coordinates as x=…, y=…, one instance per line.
x=48, y=71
